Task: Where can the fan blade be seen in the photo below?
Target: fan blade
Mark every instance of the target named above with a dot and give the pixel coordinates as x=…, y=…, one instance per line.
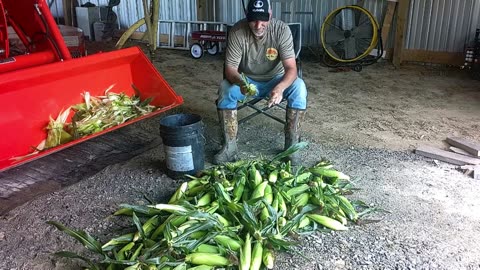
x=333, y=36
x=350, y=47
x=363, y=31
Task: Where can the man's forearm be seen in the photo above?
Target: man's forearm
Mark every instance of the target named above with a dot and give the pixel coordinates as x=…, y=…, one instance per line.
x=233, y=76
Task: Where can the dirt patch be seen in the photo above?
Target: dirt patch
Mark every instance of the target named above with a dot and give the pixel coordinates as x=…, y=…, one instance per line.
x=367, y=123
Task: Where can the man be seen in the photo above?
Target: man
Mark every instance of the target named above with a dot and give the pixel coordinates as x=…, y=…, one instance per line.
x=261, y=48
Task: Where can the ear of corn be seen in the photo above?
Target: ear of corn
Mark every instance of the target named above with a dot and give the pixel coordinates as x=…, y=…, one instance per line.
x=257, y=253
x=259, y=190
x=272, y=177
x=246, y=254
x=207, y=259
x=204, y=200
x=329, y=173
x=205, y=248
x=136, y=253
x=228, y=242
x=268, y=259
x=348, y=208
x=171, y=208
x=268, y=195
x=220, y=190
x=328, y=222
x=202, y=267
x=179, y=193
x=239, y=188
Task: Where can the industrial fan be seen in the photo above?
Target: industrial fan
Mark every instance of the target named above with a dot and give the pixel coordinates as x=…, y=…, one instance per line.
x=348, y=35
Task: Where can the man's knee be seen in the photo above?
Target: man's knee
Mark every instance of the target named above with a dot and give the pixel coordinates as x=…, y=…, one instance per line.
x=227, y=93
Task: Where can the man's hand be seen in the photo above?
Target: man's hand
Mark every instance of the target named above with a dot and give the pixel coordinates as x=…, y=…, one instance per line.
x=276, y=97
x=243, y=88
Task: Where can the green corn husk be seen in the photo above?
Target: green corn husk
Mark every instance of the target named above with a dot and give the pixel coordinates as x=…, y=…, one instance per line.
x=327, y=222
x=205, y=248
x=228, y=242
x=259, y=190
x=257, y=253
x=273, y=176
x=246, y=254
x=207, y=259
x=268, y=258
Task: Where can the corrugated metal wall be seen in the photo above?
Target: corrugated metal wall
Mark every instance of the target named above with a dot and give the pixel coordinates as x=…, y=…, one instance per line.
x=129, y=11
x=434, y=25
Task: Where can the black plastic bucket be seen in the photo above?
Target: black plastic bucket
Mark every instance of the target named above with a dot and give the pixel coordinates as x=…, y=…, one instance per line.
x=184, y=144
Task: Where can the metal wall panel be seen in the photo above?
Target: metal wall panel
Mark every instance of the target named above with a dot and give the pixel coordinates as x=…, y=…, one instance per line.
x=129, y=11
x=442, y=25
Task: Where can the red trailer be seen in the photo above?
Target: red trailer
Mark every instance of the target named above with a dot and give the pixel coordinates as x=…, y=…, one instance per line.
x=46, y=79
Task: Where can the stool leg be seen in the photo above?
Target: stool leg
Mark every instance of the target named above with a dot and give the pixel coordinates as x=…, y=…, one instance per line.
x=229, y=125
x=294, y=118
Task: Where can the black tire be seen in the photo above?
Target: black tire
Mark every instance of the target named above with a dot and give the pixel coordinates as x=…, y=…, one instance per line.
x=357, y=68
x=212, y=48
x=196, y=50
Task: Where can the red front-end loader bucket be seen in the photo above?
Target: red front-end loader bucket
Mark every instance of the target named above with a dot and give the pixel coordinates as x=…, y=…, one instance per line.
x=28, y=97
x=45, y=80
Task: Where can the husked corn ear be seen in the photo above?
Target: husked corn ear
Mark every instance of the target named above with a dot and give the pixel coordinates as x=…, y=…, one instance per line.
x=207, y=259
x=268, y=258
x=328, y=222
x=257, y=253
x=246, y=254
x=228, y=242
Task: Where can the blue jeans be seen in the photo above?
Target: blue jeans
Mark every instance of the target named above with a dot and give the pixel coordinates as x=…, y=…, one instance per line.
x=295, y=94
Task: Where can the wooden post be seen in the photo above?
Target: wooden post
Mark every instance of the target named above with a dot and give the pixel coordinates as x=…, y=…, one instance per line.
x=387, y=20
x=67, y=12
x=403, y=7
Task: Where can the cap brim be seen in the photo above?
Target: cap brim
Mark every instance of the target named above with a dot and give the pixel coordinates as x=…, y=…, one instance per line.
x=264, y=17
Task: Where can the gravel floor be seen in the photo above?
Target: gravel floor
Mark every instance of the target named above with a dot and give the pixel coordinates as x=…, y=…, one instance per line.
x=432, y=220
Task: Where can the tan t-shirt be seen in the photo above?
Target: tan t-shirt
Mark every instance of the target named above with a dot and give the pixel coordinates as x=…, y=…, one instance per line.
x=260, y=59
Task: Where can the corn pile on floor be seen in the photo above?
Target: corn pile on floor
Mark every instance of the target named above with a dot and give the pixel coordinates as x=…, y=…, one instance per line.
x=367, y=123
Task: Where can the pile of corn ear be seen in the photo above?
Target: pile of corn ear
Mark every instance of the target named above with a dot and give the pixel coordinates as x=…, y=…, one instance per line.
x=233, y=216
x=95, y=114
